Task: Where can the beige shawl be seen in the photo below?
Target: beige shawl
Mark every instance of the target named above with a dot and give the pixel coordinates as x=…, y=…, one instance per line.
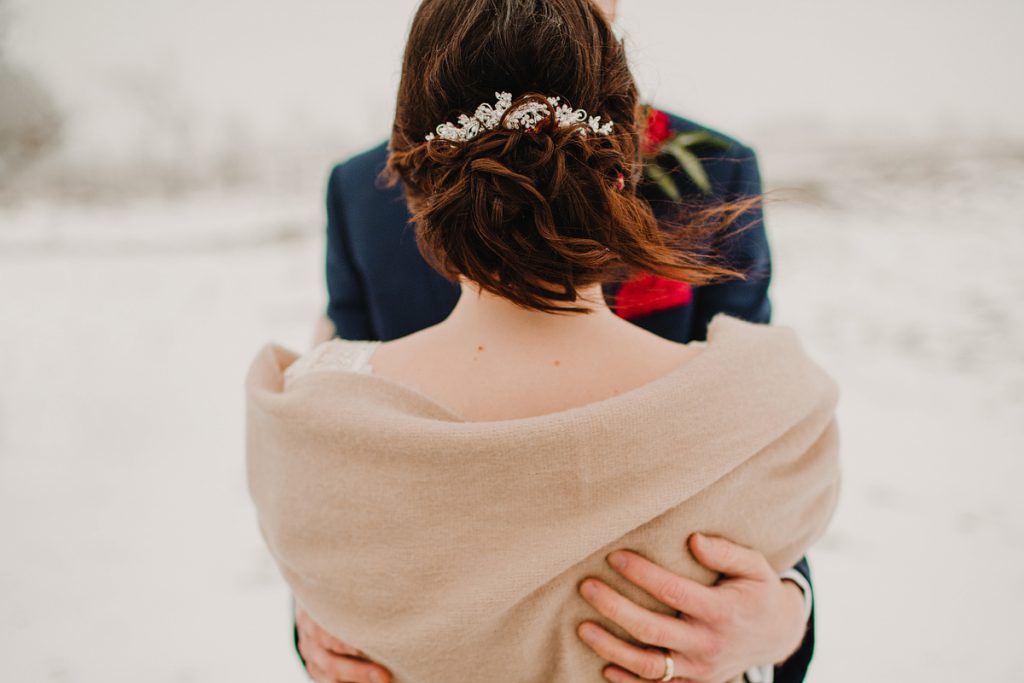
x=450, y=550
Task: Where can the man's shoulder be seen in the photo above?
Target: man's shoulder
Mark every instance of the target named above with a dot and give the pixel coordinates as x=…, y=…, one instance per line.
x=361, y=166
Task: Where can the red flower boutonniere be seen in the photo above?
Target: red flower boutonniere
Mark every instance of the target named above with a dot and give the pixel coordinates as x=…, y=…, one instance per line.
x=664, y=150
x=657, y=133
x=645, y=293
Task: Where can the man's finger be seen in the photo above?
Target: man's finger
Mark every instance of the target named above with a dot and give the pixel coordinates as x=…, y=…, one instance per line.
x=318, y=674
x=652, y=628
x=688, y=596
x=646, y=663
x=722, y=555
x=351, y=670
x=335, y=645
x=619, y=675
x=317, y=659
x=328, y=667
x=310, y=630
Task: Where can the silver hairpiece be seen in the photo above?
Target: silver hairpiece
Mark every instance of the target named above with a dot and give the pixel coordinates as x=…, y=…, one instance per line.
x=526, y=116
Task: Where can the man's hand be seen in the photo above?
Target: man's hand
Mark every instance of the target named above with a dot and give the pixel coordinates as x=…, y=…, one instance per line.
x=329, y=660
x=749, y=618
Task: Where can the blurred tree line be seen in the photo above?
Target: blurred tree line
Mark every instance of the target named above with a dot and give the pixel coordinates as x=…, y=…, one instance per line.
x=30, y=122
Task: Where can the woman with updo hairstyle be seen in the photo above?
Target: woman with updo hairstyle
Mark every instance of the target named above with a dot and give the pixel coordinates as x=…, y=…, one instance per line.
x=437, y=500
x=537, y=215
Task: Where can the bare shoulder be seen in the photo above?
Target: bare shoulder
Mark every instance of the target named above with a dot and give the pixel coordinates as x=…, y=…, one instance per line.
x=463, y=372
x=419, y=348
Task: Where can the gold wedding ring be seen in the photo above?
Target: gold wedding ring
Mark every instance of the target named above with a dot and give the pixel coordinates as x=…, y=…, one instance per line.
x=670, y=668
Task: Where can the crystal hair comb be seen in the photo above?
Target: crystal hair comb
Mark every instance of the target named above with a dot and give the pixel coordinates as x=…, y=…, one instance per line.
x=524, y=117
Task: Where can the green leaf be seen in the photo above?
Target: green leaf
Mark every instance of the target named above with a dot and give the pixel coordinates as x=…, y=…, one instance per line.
x=699, y=137
x=690, y=139
x=691, y=166
x=663, y=179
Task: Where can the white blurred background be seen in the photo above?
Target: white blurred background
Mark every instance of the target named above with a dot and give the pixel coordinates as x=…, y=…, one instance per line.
x=161, y=178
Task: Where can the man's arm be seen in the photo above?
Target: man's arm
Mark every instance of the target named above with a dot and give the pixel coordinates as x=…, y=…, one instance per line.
x=749, y=615
x=346, y=303
x=748, y=299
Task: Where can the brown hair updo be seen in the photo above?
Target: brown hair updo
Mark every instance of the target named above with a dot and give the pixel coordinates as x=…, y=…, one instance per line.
x=532, y=216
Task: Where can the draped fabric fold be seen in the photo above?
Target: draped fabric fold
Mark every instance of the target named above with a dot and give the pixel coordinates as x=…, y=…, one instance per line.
x=450, y=550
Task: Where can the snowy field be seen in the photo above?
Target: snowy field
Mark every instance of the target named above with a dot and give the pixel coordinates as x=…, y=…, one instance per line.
x=131, y=549
x=178, y=226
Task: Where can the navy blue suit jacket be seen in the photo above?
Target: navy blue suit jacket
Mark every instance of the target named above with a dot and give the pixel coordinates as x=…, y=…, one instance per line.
x=380, y=287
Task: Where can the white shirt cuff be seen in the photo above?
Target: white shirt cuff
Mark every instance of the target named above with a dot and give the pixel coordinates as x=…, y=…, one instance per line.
x=760, y=674
x=766, y=673
x=805, y=587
